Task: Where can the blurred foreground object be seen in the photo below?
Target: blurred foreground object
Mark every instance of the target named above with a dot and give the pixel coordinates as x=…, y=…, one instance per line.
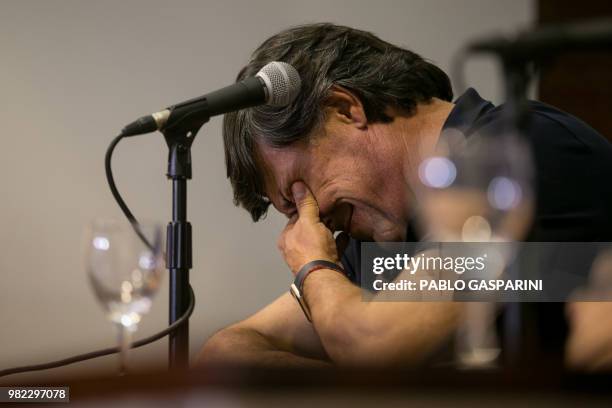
x=478, y=189
x=125, y=267
x=589, y=345
x=354, y=387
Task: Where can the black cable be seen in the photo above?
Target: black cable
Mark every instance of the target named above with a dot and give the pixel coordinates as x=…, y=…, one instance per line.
x=139, y=343
x=111, y=183
x=106, y=351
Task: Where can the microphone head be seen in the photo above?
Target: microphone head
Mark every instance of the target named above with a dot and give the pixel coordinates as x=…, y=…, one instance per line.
x=282, y=82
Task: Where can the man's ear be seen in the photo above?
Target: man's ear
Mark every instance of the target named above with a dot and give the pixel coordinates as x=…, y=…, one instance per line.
x=346, y=107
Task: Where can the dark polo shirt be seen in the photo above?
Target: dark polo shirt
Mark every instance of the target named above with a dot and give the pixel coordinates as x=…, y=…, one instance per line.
x=573, y=185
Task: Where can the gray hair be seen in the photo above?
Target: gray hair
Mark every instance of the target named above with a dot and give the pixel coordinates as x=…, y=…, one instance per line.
x=380, y=74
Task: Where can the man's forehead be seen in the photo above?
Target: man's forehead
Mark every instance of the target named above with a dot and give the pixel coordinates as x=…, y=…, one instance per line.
x=273, y=156
x=279, y=166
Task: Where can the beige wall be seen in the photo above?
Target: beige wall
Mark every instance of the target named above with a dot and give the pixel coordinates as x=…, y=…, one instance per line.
x=74, y=72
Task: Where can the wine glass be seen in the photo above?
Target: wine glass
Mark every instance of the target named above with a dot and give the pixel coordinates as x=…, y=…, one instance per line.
x=125, y=266
x=478, y=189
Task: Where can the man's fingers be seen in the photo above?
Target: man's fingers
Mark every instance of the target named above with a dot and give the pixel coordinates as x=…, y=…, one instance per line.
x=304, y=201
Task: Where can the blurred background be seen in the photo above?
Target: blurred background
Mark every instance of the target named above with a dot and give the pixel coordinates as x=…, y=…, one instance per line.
x=74, y=72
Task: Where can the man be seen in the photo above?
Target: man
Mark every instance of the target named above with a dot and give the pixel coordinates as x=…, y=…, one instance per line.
x=344, y=157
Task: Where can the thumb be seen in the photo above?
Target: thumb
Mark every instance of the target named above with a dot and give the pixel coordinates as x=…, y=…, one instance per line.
x=305, y=202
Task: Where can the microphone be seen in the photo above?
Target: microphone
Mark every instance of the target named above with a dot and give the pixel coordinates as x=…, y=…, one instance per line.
x=276, y=84
x=546, y=41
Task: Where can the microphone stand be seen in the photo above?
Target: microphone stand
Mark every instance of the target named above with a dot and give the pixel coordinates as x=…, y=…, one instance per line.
x=179, y=128
x=178, y=237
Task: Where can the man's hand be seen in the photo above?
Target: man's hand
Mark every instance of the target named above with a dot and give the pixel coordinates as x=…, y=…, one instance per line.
x=306, y=238
x=353, y=332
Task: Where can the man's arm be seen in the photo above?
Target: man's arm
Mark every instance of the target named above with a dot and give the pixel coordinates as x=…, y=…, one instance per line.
x=384, y=333
x=277, y=335
x=354, y=332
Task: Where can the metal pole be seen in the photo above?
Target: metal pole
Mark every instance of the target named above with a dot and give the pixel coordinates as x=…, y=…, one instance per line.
x=178, y=351
x=179, y=249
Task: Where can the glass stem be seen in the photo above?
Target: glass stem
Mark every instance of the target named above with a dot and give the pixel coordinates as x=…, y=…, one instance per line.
x=478, y=344
x=125, y=342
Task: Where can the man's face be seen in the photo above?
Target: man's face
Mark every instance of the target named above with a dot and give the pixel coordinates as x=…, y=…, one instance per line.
x=352, y=176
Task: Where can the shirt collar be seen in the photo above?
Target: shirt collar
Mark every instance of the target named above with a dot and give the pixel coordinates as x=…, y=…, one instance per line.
x=468, y=108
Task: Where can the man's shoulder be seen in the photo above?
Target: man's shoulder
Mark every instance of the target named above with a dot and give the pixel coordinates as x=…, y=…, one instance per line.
x=572, y=164
x=548, y=124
